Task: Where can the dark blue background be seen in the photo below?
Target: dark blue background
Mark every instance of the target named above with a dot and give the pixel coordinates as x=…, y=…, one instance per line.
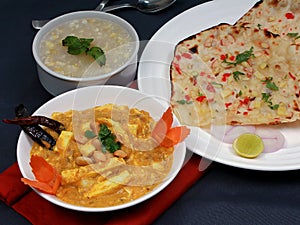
x=225, y=195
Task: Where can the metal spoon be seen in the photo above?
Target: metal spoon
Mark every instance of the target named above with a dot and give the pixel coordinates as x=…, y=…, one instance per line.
x=38, y=24
x=145, y=6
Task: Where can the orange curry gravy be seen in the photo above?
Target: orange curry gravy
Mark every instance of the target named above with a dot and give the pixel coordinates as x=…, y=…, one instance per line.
x=94, y=177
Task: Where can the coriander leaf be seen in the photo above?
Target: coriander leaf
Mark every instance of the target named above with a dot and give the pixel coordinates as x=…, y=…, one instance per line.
x=108, y=139
x=274, y=107
x=85, y=42
x=70, y=40
x=76, y=49
x=104, y=131
x=265, y=97
x=259, y=26
x=293, y=35
x=236, y=75
x=76, y=45
x=272, y=86
x=182, y=102
x=244, y=56
x=217, y=84
x=98, y=54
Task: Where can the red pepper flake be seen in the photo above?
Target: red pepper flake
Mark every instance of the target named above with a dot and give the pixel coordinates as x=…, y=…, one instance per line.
x=295, y=87
x=187, y=98
x=210, y=100
x=292, y=76
x=212, y=36
x=225, y=76
x=177, y=68
x=245, y=101
x=194, y=80
x=232, y=58
x=289, y=15
x=202, y=73
x=178, y=57
x=245, y=113
x=186, y=55
x=210, y=88
x=223, y=57
x=228, y=104
x=201, y=98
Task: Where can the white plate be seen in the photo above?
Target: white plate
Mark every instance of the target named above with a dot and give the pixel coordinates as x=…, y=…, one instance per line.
x=153, y=78
x=89, y=97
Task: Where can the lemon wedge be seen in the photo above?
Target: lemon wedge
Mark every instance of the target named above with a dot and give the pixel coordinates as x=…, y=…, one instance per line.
x=248, y=145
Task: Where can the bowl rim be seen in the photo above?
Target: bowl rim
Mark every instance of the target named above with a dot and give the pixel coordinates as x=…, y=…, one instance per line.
x=25, y=140
x=78, y=15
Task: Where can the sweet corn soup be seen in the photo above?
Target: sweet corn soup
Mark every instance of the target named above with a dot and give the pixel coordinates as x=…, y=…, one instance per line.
x=113, y=39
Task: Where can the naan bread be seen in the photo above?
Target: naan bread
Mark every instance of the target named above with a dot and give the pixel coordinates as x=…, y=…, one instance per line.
x=236, y=75
x=277, y=16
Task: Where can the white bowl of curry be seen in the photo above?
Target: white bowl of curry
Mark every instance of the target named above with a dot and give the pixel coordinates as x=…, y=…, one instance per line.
x=93, y=178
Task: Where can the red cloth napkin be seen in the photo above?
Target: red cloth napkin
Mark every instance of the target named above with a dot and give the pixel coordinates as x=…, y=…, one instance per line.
x=39, y=211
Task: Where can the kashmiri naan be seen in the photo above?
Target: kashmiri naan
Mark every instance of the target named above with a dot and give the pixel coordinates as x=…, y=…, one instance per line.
x=241, y=74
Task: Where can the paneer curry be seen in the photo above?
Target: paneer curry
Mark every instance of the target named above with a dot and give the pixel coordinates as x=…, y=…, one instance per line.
x=106, y=155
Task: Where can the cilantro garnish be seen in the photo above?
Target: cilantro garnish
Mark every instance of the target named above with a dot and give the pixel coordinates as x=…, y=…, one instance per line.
x=108, y=139
x=293, y=35
x=98, y=54
x=78, y=46
x=271, y=85
x=183, y=101
x=236, y=75
x=217, y=84
x=242, y=57
x=259, y=26
x=266, y=98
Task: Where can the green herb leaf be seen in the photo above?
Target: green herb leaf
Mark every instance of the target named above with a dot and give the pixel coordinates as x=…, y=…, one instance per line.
x=236, y=75
x=217, y=84
x=242, y=57
x=293, y=35
x=78, y=46
x=98, y=54
x=271, y=85
x=274, y=107
x=89, y=134
x=182, y=102
x=108, y=139
x=265, y=97
x=259, y=26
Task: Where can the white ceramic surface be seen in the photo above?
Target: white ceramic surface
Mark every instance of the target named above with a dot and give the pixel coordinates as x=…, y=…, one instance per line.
x=56, y=83
x=87, y=97
x=153, y=78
